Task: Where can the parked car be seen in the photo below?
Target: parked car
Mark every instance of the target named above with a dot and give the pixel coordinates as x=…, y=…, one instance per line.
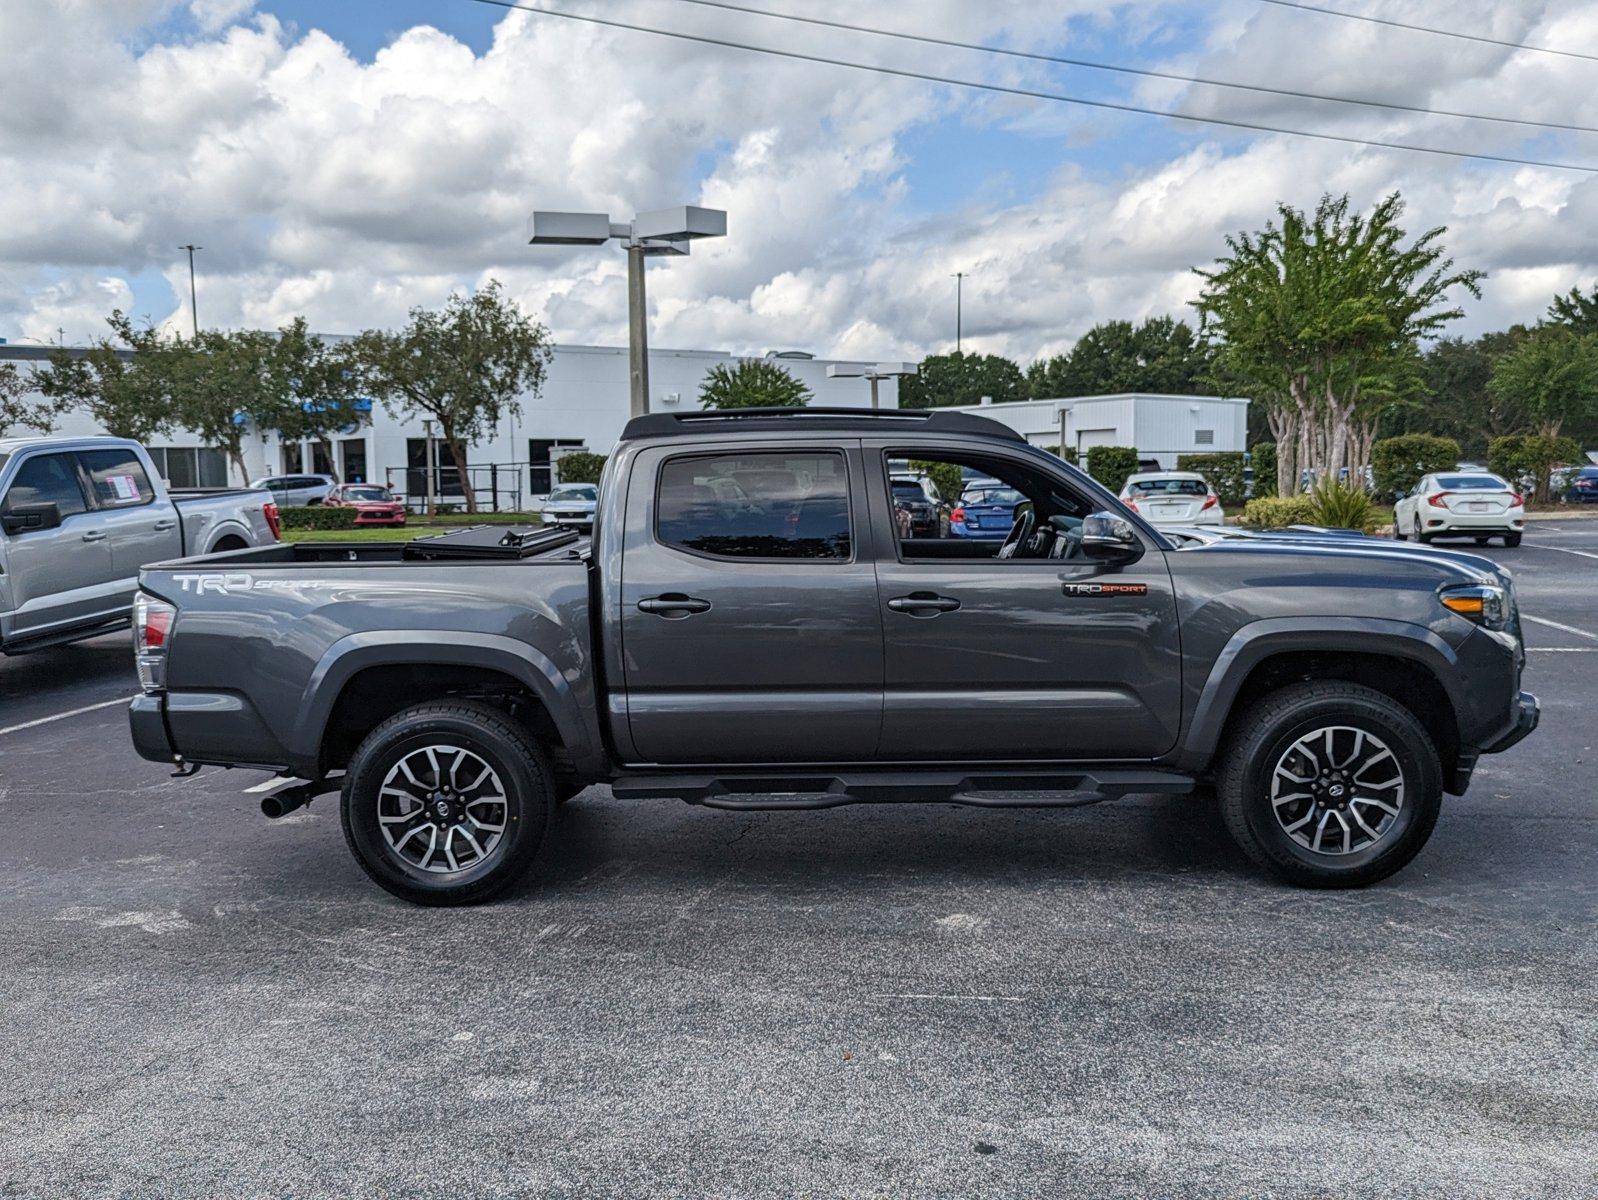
x=986, y=510
x=792, y=649
x=1582, y=486
x=80, y=516
x=571, y=504
x=296, y=491
x=1478, y=506
x=373, y=503
x=1173, y=498
x=923, y=513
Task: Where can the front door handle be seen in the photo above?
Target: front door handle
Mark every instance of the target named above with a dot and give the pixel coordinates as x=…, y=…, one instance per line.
x=923, y=603
x=94, y=535
x=163, y=526
x=673, y=605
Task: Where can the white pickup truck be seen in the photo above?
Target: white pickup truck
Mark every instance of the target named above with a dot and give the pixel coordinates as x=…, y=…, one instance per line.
x=79, y=516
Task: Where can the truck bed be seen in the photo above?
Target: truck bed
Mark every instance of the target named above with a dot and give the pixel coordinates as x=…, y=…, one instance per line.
x=478, y=544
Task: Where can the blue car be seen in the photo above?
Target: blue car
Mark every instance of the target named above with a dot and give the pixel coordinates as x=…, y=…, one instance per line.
x=984, y=511
x=1582, y=487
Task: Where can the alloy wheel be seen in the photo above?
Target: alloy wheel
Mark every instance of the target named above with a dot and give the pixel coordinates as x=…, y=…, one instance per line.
x=1337, y=790
x=442, y=809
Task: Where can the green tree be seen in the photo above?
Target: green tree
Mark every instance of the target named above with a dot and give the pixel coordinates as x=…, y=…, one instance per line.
x=1322, y=315
x=465, y=366
x=114, y=380
x=1533, y=455
x=315, y=387
x=1551, y=377
x=1578, y=311
x=580, y=466
x=752, y=383
x=1110, y=465
x=1453, y=400
x=948, y=379
x=17, y=411
x=1160, y=355
x=217, y=381
x=1397, y=463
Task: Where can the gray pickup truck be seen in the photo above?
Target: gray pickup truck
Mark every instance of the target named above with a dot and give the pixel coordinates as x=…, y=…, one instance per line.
x=751, y=627
x=79, y=516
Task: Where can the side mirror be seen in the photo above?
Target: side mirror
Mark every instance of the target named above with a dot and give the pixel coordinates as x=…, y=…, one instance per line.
x=1110, y=538
x=31, y=518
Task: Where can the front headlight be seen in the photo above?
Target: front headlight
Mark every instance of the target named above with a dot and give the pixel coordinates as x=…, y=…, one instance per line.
x=1482, y=603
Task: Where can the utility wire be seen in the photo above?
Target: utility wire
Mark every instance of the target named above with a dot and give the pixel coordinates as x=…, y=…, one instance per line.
x=1035, y=94
x=1453, y=33
x=1062, y=60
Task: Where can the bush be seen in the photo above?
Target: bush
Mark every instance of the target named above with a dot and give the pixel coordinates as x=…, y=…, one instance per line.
x=579, y=466
x=1397, y=463
x=1069, y=456
x=1343, y=506
x=1532, y=455
x=1263, y=459
x=1110, y=465
x=1223, y=469
x=945, y=477
x=1276, y=512
x=317, y=517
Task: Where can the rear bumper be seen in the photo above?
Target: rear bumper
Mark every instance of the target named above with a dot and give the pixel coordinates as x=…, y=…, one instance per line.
x=147, y=724
x=202, y=727
x=1499, y=522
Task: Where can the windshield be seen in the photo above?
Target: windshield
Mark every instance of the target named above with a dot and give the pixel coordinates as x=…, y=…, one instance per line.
x=574, y=491
x=1465, y=483
x=368, y=493
x=1167, y=487
x=992, y=495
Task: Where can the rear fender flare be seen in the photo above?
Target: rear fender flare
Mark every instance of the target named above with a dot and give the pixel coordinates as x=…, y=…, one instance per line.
x=358, y=651
x=1259, y=640
x=230, y=527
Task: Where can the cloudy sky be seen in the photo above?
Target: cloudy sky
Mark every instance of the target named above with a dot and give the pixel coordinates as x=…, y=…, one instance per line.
x=349, y=160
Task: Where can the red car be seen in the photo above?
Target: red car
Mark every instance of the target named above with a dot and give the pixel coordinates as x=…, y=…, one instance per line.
x=373, y=504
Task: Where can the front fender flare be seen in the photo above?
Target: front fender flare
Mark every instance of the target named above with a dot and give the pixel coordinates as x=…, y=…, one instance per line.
x=1259, y=640
x=400, y=647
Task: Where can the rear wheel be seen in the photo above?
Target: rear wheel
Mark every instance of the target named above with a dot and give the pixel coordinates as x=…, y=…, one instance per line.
x=1330, y=785
x=1511, y=539
x=1398, y=528
x=447, y=803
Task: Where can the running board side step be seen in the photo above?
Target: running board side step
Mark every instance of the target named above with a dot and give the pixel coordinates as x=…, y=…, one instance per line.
x=1001, y=789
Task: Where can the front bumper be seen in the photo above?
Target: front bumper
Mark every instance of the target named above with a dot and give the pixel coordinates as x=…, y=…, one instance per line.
x=1527, y=714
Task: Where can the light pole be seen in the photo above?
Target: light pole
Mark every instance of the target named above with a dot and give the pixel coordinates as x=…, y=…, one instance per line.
x=875, y=372
x=959, y=281
x=647, y=235
x=194, y=303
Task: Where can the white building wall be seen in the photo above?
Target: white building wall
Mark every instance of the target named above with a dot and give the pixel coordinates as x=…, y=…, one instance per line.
x=1159, y=426
x=584, y=399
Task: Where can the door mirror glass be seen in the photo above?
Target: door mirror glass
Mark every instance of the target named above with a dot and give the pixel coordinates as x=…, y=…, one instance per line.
x=31, y=518
x=1110, y=538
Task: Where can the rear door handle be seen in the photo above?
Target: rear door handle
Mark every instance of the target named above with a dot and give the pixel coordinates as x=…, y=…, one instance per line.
x=94, y=535
x=673, y=605
x=928, y=603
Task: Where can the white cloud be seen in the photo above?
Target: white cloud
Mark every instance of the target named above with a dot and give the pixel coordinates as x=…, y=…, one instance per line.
x=349, y=191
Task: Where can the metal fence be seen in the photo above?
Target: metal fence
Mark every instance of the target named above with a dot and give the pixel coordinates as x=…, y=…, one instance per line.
x=497, y=487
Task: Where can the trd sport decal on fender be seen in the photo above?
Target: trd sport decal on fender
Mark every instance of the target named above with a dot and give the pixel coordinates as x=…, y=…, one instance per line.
x=1105, y=589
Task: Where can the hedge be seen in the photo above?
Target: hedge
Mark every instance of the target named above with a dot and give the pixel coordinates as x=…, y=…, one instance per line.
x=945, y=476
x=1276, y=512
x=1110, y=465
x=1397, y=463
x=579, y=466
x=317, y=516
x=1223, y=469
x=1262, y=456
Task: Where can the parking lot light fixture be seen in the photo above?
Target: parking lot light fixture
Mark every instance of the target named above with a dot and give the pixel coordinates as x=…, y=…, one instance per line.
x=875, y=372
x=648, y=235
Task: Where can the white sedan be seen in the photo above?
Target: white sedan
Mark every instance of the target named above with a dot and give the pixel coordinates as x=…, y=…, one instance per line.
x=1462, y=504
x=1173, y=498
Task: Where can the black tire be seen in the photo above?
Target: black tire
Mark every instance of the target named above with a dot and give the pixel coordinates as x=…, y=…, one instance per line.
x=481, y=730
x=1511, y=540
x=1481, y=541
x=1398, y=529
x=1425, y=539
x=1266, y=732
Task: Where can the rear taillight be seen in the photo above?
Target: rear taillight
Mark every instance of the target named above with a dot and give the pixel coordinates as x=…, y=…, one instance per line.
x=269, y=511
x=1516, y=500
x=958, y=514
x=1210, y=501
x=1131, y=503
x=1440, y=500
x=152, y=633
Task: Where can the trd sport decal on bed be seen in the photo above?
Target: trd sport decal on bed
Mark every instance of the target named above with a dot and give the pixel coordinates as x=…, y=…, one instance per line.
x=1105, y=589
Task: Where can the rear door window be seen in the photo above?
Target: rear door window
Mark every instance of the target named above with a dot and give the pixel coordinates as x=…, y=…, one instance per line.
x=118, y=478
x=760, y=505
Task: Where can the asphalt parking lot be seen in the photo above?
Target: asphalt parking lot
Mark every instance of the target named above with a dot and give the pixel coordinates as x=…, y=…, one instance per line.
x=903, y=1001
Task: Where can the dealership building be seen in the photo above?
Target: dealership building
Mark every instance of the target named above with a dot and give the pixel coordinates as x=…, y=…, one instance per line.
x=1161, y=427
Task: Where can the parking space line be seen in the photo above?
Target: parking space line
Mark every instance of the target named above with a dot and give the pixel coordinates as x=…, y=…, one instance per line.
x=1562, y=649
x=1551, y=625
x=1563, y=550
x=87, y=708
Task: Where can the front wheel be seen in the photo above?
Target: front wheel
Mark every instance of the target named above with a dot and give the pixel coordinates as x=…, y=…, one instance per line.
x=1330, y=785
x=447, y=803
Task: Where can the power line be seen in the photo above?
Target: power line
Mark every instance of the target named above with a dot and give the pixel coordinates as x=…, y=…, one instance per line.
x=1035, y=94
x=1453, y=33
x=1148, y=73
